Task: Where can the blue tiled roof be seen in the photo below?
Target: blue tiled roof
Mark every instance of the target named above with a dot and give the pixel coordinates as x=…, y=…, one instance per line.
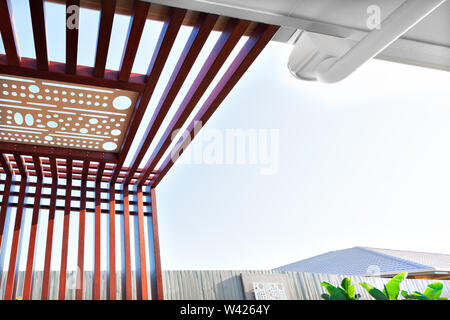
x=354, y=261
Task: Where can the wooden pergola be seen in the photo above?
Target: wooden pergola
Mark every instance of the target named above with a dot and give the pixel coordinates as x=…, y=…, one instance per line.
x=41, y=146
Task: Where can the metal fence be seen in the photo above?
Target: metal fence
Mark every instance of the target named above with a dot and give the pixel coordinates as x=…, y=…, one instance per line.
x=212, y=285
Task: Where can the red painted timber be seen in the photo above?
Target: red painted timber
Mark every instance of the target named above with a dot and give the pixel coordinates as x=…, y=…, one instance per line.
x=6, y=192
x=199, y=35
x=104, y=36
x=39, y=34
x=97, y=233
x=32, y=242
x=126, y=227
x=72, y=16
x=81, y=233
x=166, y=39
x=158, y=272
x=65, y=236
x=16, y=235
x=50, y=231
x=137, y=23
x=143, y=265
x=8, y=33
x=219, y=54
x=112, y=243
x=251, y=49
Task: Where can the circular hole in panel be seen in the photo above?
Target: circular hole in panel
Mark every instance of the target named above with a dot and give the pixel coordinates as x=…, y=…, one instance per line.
x=5, y=93
x=109, y=146
x=116, y=132
x=52, y=124
x=33, y=88
x=93, y=121
x=48, y=138
x=84, y=130
x=29, y=120
x=18, y=118
x=121, y=103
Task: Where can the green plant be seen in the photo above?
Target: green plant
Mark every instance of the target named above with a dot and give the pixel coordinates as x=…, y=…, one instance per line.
x=391, y=289
x=345, y=292
x=433, y=292
x=19, y=298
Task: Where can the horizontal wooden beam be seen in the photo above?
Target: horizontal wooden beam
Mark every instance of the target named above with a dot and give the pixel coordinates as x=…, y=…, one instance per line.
x=84, y=75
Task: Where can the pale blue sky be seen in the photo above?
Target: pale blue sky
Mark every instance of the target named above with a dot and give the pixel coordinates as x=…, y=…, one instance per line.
x=362, y=162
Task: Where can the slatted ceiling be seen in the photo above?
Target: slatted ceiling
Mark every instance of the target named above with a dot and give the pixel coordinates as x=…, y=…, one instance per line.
x=215, y=61
x=72, y=16
x=104, y=35
x=193, y=46
x=167, y=37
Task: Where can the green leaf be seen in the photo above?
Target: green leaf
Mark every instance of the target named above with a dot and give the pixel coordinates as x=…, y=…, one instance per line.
x=392, y=288
x=325, y=296
x=351, y=292
x=335, y=293
x=434, y=290
x=374, y=292
x=346, y=283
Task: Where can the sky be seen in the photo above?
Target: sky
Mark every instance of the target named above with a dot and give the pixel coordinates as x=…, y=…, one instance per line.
x=364, y=162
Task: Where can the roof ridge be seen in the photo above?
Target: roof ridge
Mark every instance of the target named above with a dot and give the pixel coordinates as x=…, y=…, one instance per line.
x=412, y=263
x=436, y=253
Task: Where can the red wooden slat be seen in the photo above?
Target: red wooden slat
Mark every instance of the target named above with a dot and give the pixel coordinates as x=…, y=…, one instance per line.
x=251, y=49
x=33, y=231
x=81, y=233
x=219, y=54
x=72, y=19
x=5, y=198
x=39, y=34
x=16, y=235
x=143, y=265
x=126, y=227
x=159, y=294
x=137, y=23
x=112, y=243
x=197, y=39
x=8, y=33
x=166, y=39
x=42, y=151
x=65, y=237
x=50, y=230
x=97, y=233
x=104, y=36
x=84, y=75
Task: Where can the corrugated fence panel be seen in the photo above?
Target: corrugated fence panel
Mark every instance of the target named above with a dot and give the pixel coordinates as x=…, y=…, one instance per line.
x=227, y=284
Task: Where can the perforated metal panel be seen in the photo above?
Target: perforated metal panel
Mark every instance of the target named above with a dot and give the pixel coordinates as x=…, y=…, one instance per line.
x=65, y=115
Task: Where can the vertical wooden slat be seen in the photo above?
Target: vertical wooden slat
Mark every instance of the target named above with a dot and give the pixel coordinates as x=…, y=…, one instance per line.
x=126, y=227
x=65, y=237
x=100, y=169
x=104, y=36
x=72, y=19
x=112, y=243
x=39, y=34
x=33, y=230
x=5, y=198
x=261, y=35
x=80, y=271
x=159, y=295
x=8, y=33
x=50, y=230
x=143, y=265
x=197, y=39
x=137, y=23
x=17, y=226
x=165, y=42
